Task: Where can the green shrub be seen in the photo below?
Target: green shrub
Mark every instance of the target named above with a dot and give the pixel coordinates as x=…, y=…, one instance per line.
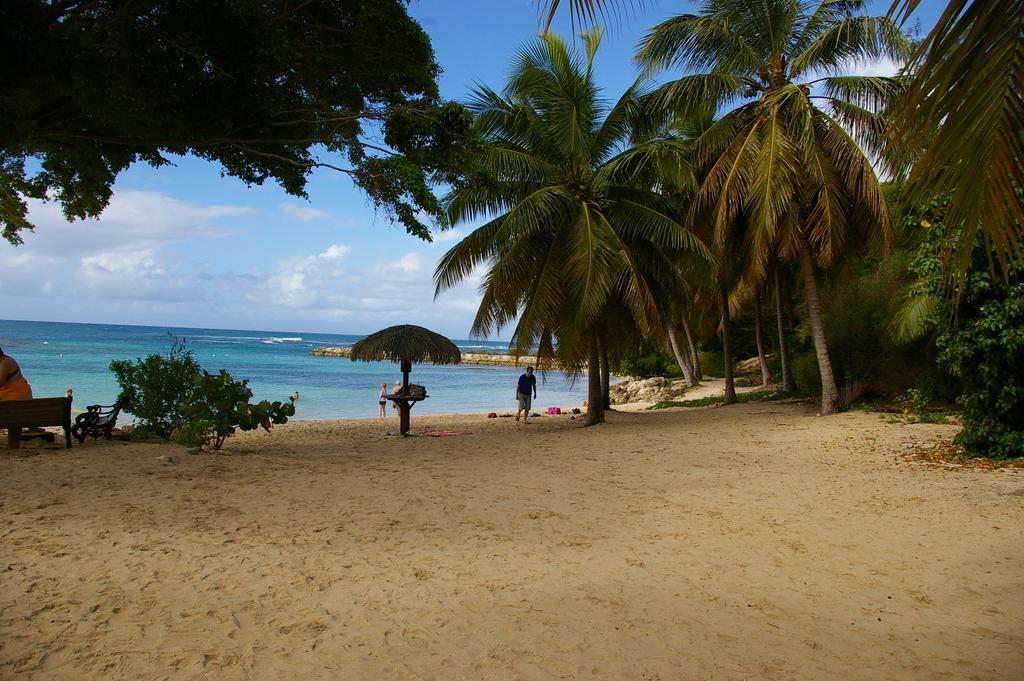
x=917, y=406
x=221, y=405
x=158, y=387
x=980, y=337
x=711, y=363
x=804, y=367
x=986, y=352
x=649, y=360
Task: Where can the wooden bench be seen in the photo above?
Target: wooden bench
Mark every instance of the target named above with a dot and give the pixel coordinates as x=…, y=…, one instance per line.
x=98, y=420
x=46, y=411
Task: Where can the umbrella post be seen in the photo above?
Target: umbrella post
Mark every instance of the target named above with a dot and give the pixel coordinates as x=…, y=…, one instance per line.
x=406, y=343
x=403, y=417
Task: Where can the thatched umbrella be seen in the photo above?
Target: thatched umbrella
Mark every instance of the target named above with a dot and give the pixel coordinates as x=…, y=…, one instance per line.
x=406, y=343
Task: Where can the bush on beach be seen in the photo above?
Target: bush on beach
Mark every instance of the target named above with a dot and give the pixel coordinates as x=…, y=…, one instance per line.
x=173, y=397
x=158, y=388
x=221, y=405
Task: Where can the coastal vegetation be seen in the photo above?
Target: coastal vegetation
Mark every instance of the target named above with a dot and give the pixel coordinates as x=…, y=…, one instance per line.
x=769, y=150
x=859, y=235
x=579, y=242
x=174, y=398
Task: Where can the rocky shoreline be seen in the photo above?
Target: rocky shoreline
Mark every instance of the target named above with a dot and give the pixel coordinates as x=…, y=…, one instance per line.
x=476, y=358
x=655, y=389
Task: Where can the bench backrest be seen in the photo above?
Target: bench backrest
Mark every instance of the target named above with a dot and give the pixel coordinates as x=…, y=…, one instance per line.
x=45, y=411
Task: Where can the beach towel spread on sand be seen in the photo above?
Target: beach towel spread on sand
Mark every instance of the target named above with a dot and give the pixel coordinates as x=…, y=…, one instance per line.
x=447, y=433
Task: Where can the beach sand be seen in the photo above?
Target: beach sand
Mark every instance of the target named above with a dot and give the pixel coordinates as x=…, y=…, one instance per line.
x=757, y=541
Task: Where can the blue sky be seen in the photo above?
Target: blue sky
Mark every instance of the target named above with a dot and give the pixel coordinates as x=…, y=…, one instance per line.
x=184, y=246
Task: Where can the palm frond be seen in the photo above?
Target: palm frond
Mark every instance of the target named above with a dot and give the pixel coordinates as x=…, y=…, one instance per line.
x=850, y=39
x=701, y=92
x=965, y=110
x=914, y=316
x=692, y=42
x=586, y=11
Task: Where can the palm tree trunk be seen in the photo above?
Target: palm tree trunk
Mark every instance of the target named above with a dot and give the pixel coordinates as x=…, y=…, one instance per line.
x=681, y=359
x=730, y=381
x=595, y=403
x=694, y=357
x=606, y=395
x=766, y=375
x=829, y=393
x=787, y=374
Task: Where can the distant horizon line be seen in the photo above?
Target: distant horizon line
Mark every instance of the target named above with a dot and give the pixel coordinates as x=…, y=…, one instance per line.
x=213, y=328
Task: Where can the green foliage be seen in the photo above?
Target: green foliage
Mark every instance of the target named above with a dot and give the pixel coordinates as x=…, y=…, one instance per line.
x=864, y=354
x=986, y=352
x=751, y=396
x=787, y=167
x=712, y=363
x=257, y=86
x=980, y=336
x=917, y=403
x=220, y=405
x=158, y=387
x=960, y=125
x=171, y=395
x=804, y=367
x=650, y=360
x=575, y=226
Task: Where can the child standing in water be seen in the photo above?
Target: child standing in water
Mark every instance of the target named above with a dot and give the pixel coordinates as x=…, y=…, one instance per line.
x=382, y=399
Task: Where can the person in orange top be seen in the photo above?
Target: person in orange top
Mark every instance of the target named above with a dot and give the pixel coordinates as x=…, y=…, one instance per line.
x=13, y=385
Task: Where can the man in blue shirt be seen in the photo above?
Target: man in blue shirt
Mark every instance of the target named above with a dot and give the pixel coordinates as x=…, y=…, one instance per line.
x=527, y=383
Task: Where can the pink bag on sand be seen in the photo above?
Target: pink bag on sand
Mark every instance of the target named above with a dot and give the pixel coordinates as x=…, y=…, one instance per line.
x=554, y=410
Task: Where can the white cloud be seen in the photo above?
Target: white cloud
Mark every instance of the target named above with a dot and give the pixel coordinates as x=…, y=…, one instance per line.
x=335, y=252
x=302, y=212
x=408, y=264
x=129, y=259
x=307, y=282
x=448, y=235
x=367, y=297
x=136, y=275
x=117, y=255
x=882, y=66
x=134, y=220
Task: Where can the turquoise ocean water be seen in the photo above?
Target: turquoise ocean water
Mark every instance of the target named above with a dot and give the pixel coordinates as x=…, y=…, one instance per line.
x=56, y=356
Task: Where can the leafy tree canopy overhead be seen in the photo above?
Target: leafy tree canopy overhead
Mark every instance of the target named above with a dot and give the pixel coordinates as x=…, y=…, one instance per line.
x=259, y=86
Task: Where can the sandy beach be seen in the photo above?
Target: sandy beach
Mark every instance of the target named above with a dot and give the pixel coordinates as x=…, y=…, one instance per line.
x=757, y=541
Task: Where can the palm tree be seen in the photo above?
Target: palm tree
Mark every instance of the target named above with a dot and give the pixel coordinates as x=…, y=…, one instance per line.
x=573, y=230
x=785, y=155
x=964, y=118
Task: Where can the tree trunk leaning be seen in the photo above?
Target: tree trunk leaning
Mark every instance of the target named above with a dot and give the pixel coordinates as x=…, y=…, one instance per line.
x=787, y=373
x=730, y=380
x=606, y=375
x=681, y=359
x=694, y=356
x=595, y=404
x=830, y=401
x=766, y=375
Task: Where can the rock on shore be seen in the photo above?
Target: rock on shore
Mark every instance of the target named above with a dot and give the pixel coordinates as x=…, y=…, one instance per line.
x=653, y=389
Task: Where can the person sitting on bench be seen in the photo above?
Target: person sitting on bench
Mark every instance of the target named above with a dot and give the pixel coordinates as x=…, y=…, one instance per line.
x=13, y=385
